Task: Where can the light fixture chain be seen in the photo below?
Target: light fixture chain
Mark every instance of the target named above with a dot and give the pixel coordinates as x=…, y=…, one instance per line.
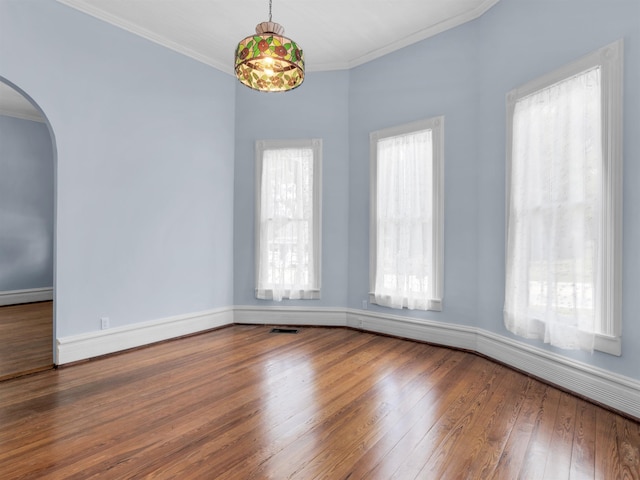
x=270, y=9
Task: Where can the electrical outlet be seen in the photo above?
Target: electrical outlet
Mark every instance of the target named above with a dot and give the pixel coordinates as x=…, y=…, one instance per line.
x=104, y=323
x=364, y=304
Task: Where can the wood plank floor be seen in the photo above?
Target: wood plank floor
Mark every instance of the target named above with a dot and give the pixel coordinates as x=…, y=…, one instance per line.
x=243, y=403
x=26, y=338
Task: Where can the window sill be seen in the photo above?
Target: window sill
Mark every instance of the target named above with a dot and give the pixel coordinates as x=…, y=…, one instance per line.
x=435, y=305
x=607, y=344
x=301, y=295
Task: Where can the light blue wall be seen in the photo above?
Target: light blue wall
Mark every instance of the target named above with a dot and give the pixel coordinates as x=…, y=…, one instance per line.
x=26, y=205
x=145, y=151
x=464, y=74
x=434, y=77
x=521, y=40
x=317, y=109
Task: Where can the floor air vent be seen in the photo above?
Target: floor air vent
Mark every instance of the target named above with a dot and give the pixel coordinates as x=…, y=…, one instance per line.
x=284, y=330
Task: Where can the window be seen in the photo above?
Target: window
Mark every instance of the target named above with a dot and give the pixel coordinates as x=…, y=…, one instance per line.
x=564, y=205
x=407, y=215
x=288, y=219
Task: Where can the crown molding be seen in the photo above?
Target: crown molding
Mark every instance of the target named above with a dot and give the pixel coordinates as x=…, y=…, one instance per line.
x=130, y=27
x=424, y=34
x=21, y=115
x=224, y=67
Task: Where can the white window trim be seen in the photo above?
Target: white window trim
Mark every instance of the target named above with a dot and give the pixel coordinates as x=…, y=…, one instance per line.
x=436, y=125
x=316, y=145
x=610, y=59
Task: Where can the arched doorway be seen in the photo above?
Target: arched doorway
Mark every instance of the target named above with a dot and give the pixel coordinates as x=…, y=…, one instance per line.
x=27, y=233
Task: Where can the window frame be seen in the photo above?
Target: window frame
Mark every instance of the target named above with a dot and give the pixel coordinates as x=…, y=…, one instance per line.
x=436, y=125
x=315, y=144
x=610, y=60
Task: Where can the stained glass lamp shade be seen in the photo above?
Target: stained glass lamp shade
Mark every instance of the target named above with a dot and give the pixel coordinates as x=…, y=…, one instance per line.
x=269, y=61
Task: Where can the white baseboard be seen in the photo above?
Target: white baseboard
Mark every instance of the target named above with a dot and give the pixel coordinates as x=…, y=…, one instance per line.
x=607, y=388
x=102, y=342
x=458, y=336
x=615, y=391
x=255, y=315
x=15, y=297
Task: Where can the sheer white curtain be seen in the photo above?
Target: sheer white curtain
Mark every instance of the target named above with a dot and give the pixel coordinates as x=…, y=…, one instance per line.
x=285, y=250
x=553, y=275
x=404, y=210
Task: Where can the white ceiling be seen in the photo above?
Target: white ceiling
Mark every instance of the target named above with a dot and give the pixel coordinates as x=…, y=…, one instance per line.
x=13, y=104
x=334, y=34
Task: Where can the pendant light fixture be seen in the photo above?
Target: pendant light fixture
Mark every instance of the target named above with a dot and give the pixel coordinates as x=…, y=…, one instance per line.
x=269, y=61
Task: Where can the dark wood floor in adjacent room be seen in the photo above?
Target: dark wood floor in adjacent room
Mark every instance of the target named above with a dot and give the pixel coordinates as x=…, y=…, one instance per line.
x=26, y=338
x=242, y=403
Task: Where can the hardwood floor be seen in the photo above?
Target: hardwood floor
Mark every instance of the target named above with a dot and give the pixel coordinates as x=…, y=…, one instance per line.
x=242, y=403
x=26, y=338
